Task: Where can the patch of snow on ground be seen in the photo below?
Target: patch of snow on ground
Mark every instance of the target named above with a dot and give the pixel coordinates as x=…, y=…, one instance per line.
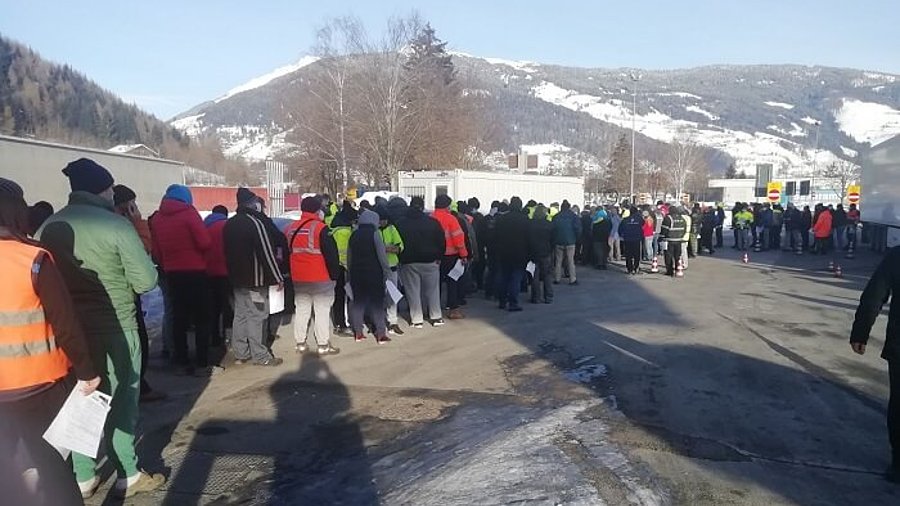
x=849, y=152
x=262, y=80
x=524, y=66
x=867, y=121
x=251, y=143
x=543, y=149
x=681, y=94
x=809, y=120
x=585, y=373
x=779, y=104
x=192, y=126
x=700, y=110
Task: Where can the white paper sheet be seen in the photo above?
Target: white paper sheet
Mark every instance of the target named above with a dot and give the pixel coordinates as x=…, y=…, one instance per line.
x=78, y=426
x=457, y=271
x=393, y=292
x=276, y=299
x=531, y=268
x=348, y=291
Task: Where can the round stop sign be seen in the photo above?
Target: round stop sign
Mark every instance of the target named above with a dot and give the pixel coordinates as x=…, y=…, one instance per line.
x=853, y=197
x=774, y=195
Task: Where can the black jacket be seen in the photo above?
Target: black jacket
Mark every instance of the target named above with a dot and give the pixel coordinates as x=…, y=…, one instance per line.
x=511, y=235
x=601, y=230
x=884, y=284
x=249, y=252
x=673, y=228
x=423, y=238
x=540, y=239
x=708, y=223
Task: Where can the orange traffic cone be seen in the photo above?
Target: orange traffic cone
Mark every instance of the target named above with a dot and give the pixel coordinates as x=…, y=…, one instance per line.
x=746, y=258
x=838, y=272
x=679, y=272
x=654, y=266
x=850, y=252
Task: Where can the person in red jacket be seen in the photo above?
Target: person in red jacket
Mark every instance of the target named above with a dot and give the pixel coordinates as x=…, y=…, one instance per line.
x=455, y=250
x=180, y=243
x=221, y=313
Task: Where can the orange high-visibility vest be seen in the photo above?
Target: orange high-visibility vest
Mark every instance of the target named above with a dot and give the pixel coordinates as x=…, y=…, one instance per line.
x=28, y=352
x=307, y=261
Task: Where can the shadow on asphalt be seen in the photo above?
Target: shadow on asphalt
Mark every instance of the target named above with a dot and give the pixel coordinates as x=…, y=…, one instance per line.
x=312, y=452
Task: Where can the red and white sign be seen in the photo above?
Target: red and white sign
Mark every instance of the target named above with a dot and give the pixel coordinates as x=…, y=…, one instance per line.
x=774, y=194
x=853, y=198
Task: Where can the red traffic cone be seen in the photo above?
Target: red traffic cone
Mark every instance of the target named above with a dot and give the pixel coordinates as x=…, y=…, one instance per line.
x=746, y=258
x=831, y=265
x=850, y=252
x=679, y=272
x=838, y=272
x=654, y=266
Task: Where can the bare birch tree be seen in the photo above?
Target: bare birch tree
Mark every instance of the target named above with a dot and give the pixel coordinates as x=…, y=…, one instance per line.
x=684, y=158
x=839, y=175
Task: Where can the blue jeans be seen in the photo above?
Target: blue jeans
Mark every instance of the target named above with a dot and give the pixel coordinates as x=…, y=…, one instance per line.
x=510, y=282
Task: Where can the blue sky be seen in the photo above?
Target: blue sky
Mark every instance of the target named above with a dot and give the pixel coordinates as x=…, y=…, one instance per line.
x=168, y=56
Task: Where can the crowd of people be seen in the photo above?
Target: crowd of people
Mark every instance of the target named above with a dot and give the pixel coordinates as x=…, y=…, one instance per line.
x=345, y=269
x=820, y=231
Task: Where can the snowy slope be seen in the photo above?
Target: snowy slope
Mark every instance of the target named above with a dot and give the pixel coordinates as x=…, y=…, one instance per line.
x=868, y=122
x=262, y=80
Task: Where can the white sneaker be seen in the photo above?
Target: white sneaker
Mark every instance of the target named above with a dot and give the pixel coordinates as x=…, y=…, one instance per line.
x=301, y=348
x=89, y=488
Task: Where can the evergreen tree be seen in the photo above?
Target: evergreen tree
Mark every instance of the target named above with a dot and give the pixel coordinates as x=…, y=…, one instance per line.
x=731, y=171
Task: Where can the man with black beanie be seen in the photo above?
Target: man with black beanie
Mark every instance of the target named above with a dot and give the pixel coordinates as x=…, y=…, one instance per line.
x=454, y=251
x=252, y=269
x=104, y=265
x=423, y=249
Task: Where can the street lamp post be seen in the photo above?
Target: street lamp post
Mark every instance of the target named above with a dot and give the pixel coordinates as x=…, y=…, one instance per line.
x=634, y=79
x=815, y=168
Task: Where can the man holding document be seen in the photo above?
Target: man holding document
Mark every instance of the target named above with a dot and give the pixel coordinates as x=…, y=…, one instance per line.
x=104, y=264
x=40, y=340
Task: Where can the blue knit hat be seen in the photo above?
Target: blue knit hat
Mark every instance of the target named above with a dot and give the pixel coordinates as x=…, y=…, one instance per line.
x=180, y=192
x=87, y=175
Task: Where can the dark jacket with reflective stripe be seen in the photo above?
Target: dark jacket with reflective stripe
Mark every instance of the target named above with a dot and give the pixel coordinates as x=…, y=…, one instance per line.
x=249, y=251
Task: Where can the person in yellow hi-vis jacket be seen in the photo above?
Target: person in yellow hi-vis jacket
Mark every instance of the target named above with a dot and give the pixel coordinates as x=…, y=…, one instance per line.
x=393, y=246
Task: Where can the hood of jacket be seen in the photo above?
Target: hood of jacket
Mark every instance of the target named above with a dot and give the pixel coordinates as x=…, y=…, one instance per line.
x=369, y=218
x=214, y=218
x=170, y=207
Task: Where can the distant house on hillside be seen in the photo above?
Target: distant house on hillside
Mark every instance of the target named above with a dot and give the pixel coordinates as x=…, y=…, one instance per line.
x=134, y=149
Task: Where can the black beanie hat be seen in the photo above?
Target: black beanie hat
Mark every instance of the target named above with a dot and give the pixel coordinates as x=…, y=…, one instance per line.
x=10, y=187
x=311, y=204
x=245, y=196
x=87, y=175
x=442, y=202
x=417, y=202
x=220, y=209
x=122, y=194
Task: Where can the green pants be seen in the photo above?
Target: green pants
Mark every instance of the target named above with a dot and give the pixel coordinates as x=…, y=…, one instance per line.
x=121, y=374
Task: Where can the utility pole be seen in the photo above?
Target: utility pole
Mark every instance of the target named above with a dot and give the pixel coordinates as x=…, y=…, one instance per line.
x=635, y=77
x=812, y=183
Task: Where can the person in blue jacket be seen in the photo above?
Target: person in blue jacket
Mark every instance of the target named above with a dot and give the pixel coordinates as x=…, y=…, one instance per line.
x=566, y=229
x=631, y=230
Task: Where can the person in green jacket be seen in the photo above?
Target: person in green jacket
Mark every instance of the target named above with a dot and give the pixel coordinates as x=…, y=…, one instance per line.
x=104, y=264
x=341, y=230
x=393, y=245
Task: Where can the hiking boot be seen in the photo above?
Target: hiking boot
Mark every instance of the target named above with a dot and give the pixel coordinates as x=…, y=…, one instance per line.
x=456, y=314
x=270, y=362
x=359, y=338
x=437, y=323
x=328, y=350
x=301, y=348
x=145, y=483
x=382, y=340
x=395, y=329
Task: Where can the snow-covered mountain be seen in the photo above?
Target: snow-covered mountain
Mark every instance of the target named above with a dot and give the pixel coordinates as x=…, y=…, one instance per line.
x=747, y=114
